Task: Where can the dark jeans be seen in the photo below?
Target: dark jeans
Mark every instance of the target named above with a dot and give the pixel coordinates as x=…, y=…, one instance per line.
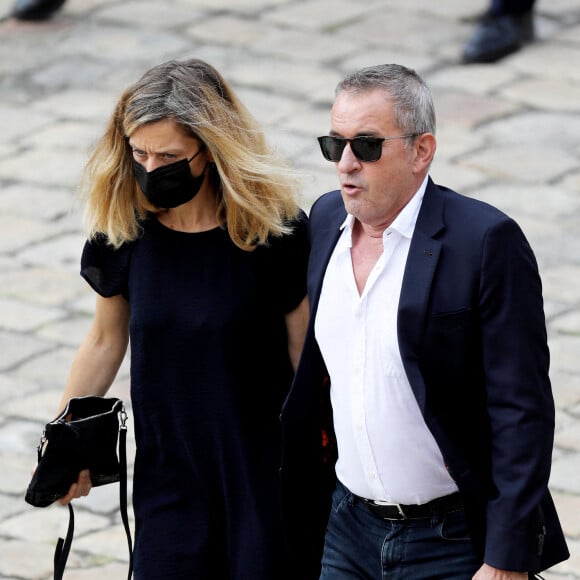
x=360, y=545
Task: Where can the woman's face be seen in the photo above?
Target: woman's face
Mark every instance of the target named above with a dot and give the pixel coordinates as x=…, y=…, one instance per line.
x=164, y=142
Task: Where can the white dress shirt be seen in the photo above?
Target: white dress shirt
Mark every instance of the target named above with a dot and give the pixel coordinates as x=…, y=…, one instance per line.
x=385, y=450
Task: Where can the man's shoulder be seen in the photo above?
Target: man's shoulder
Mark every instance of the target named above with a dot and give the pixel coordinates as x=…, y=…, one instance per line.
x=331, y=199
x=458, y=205
x=327, y=209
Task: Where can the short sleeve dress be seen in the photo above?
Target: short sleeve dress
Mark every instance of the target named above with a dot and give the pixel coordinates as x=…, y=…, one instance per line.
x=209, y=372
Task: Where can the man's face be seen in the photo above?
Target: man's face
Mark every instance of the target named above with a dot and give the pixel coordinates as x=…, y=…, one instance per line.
x=374, y=192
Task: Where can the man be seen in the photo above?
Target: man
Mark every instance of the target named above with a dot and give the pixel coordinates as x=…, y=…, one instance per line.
x=425, y=366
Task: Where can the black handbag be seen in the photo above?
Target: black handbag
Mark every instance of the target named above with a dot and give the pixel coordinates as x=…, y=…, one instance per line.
x=83, y=436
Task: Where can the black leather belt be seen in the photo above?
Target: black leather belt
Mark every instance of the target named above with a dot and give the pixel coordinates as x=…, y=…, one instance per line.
x=440, y=506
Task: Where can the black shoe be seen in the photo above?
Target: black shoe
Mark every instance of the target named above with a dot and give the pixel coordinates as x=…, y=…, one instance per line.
x=35, y=9
x=496, y=36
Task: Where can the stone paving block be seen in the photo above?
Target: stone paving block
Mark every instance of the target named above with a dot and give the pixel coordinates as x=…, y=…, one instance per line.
x=527, y=163
x=23, y=317
x=17, y=348
x=12, y=388
x=240, y=6
x=110, y=542
x=46, y=525
x=556, y=286
x=70, y=331
x=454, y=10
x=25, y=559
x=552, y=94
x=563, y=247
x=230, y=29
x=571, y=181
x=456, y=177
x=321, y=14
x=476, y=79
x=564, y=477
x=566, y=388
x=19, y=232
x=62, y=251
x=468, y=110
x=568, y=323
x=269, y=109
x=543, y=201
x=569, y=437
x=17, y=122
x=98, y=572
x=19, y=438
x=17, y=472
x=564, y=350
x=403, y=29
x=106, y=42
x=51, y=204
x=146, y=14
x=74, y=134
x=9, y=505
x=46, y=286
x=58, y=169
x=572, y=34
x=80, y=105
x=569, y=569
x=413, y=59
x=301, y=45
x=551, y=61
x=294, y=79
x=559, y=129
x=36, y=408
x=568, y=506
x=48, y=369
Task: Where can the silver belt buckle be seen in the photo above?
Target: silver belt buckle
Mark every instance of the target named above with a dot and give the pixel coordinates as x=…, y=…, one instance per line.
x=390, y=504
x=400, y=510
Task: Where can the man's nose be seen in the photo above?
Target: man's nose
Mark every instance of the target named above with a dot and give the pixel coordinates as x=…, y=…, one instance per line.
x=348, y=161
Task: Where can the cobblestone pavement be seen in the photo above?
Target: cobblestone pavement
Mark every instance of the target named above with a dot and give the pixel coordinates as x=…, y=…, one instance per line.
x=508, y=134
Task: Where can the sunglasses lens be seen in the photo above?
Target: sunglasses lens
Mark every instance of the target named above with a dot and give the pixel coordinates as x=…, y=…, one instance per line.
x=332, y=147
x=367, y=148
x=363, y=148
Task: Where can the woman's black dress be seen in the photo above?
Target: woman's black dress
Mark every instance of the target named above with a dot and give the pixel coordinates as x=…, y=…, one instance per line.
x=209, y=372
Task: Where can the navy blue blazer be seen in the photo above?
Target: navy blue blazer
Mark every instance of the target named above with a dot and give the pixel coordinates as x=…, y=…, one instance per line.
x=472, y=337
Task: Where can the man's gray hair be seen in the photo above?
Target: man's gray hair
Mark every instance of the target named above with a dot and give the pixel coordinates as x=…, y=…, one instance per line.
x=413, y=109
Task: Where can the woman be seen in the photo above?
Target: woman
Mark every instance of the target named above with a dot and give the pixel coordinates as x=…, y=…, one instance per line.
x=197, y=251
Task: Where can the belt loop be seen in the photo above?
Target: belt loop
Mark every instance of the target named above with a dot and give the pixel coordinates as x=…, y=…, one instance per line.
x=436, y=514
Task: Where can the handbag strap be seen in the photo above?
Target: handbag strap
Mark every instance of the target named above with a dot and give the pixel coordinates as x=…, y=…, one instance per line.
x=123, y=488
x=62, y=549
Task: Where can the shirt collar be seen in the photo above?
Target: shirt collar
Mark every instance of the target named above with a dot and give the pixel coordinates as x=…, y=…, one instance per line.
x=404, y=223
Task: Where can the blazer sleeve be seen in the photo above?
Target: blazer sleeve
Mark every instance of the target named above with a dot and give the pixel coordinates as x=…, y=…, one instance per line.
x=519, y=396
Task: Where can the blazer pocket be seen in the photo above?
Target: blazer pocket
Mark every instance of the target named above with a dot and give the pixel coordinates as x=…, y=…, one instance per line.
x=453, y=320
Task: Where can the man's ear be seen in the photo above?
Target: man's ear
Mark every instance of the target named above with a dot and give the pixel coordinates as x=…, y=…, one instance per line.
x=424, y=147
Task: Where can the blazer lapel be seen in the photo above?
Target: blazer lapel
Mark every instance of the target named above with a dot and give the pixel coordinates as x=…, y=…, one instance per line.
x=418, y=277
x=324, y=239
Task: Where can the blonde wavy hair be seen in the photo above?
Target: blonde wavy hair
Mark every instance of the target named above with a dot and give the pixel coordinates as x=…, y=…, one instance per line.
x=257, y=191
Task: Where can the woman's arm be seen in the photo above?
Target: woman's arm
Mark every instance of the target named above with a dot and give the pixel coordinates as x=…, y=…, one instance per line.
x=101, y=352
x=96, y=364
x=296, y=323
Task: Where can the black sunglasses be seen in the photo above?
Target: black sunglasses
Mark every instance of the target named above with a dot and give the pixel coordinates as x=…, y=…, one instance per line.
x=363, y=148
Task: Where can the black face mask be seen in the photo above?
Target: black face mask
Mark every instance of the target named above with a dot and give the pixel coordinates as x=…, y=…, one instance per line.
x=171, y=185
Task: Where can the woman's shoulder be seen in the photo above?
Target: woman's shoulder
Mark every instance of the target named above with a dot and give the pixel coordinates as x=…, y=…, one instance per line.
x=104, y=266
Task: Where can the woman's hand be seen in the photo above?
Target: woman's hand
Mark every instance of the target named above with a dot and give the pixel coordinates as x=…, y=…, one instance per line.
x=79, y=489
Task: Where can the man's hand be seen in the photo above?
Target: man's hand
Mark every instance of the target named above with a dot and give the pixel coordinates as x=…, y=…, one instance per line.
x=78, y=489
x=489, y=573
